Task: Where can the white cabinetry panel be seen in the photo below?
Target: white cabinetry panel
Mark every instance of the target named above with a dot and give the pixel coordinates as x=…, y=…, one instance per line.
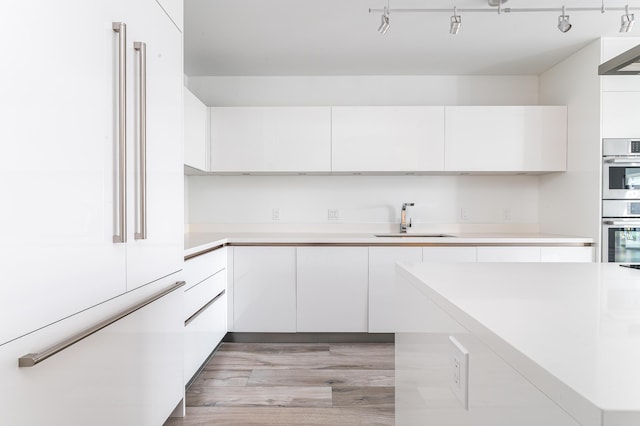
x=566, y=254
x=264, y=289
x=449, y=254
x=382, y=278
x=271, y=139
x=508, y=254
x=332, y=289
x=620, y=114
x=505, y=138
x=203, y=334
x=387, y=139
x=196, y=137
x=129, y=373
x=160, y=254
x=57, y=163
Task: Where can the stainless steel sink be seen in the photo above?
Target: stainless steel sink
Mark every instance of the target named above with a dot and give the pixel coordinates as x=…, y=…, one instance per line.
x=413, y=235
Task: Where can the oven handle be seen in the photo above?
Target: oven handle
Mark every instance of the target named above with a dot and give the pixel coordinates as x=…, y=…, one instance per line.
x=626, y=223
x=629, y=161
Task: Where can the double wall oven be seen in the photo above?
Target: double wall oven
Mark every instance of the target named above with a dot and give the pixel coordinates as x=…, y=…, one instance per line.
x=621, y=200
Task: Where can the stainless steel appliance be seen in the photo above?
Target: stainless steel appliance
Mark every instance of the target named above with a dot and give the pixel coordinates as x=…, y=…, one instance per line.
x=620, y=169
x=621, y=200
x=621, y=231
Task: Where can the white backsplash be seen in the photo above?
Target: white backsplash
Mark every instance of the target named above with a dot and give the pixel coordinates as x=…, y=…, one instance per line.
x=490, y=202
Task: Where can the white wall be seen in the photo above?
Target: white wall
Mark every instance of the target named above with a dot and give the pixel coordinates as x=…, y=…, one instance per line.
x=570, y=202
x=365, y=90
x=365, y=199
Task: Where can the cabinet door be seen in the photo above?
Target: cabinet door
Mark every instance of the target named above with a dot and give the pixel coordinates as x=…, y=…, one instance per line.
x=382, y=278
x=196, y=141
x=566, y=254
x=332, y=289
x=271, y=139
x=56, y=162
x=264, y=289
x=129, y=373
x=506, y=138
x=508, y=254
x=620, y=114
x=448, y=254
x=387, y=139
x=160, y=254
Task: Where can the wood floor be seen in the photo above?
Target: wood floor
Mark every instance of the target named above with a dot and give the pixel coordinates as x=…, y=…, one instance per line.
x=294, y=384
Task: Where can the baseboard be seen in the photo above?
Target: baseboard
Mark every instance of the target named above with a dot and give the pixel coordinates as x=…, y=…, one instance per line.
x=309, y=337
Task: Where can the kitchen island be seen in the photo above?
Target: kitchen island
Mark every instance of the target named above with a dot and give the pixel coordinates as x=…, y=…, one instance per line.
x=548, y=344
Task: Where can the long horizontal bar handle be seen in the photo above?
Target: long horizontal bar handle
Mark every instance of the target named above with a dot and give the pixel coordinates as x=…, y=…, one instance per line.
x=622, y=222
x=204, y=308
x=623, y=160
x=29, y=360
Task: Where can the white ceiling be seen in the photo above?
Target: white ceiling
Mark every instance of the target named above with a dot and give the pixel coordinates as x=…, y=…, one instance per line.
x=339, y=37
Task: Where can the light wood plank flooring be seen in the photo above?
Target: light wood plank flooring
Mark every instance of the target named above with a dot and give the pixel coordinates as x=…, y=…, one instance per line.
x=294, y=384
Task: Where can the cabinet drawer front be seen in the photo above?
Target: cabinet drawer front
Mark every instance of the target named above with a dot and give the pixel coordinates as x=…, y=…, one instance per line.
x=202, y=293
x=202, y=267
x=202, y=335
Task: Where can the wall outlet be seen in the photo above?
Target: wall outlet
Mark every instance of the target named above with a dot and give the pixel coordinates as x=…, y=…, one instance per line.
x=506, y=214
x=459, y=370
x=464, y=214
x=333, y=214
x=275, y=214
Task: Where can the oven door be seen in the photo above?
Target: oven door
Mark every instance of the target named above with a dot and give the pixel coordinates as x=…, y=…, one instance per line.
x=621, y=240
x=621, y=178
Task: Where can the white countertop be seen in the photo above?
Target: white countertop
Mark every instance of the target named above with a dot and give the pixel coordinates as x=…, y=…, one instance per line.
x=566, y=327
x=199, y=241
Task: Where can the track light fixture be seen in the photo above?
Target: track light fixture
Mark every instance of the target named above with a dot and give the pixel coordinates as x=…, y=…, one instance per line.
x=456, y=22
x=627, y=21
x=496, y=6
x=384, y=21
x=563, y=22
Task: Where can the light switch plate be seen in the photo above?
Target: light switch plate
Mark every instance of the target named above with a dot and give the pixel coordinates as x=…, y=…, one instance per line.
x=459, y=369
x=333, y=214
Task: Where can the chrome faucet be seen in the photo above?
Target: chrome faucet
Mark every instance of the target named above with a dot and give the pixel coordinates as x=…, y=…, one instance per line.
x=403, y=218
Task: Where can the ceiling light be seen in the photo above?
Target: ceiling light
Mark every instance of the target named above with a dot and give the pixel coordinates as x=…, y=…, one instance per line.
x=563, y=22
x=627, y=21
x=456, y=22
x=384, y=22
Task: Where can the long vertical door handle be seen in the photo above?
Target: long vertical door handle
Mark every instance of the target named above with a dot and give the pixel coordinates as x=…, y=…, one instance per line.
x=121, y=234
x=141, y=232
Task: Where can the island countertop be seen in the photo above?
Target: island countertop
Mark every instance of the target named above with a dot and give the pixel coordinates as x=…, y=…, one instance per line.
x=572, y=329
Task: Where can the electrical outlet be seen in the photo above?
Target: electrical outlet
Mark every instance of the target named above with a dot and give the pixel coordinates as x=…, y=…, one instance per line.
x=459, y=369
x=333, y=214
x=464, y=214
x=506, y=214
x=275, y=214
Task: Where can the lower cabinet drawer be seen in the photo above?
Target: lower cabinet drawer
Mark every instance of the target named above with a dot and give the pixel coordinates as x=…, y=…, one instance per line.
x=202, y=293
x=128, y=373
x=202, y=334
x=201, y=267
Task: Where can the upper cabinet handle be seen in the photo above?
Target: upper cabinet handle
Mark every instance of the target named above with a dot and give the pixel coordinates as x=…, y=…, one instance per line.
x=141, y=232
x=121, y=234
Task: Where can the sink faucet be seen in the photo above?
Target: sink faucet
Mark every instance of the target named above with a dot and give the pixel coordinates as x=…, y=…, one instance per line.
x=403, y=218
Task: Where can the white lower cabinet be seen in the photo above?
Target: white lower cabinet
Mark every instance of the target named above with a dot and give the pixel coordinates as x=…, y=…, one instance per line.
x=129, y=373
x=508, y=254
x=264, y=289
x=449, y=254
x=382, y=276
x=332, y=289
x=205, y=308
x=566, y=254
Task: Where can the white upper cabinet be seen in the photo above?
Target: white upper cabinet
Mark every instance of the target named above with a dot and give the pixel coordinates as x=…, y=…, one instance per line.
x=271, y=139
x=196, y=137
x=505, y=138
x=387, y=139
x=620, y=117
